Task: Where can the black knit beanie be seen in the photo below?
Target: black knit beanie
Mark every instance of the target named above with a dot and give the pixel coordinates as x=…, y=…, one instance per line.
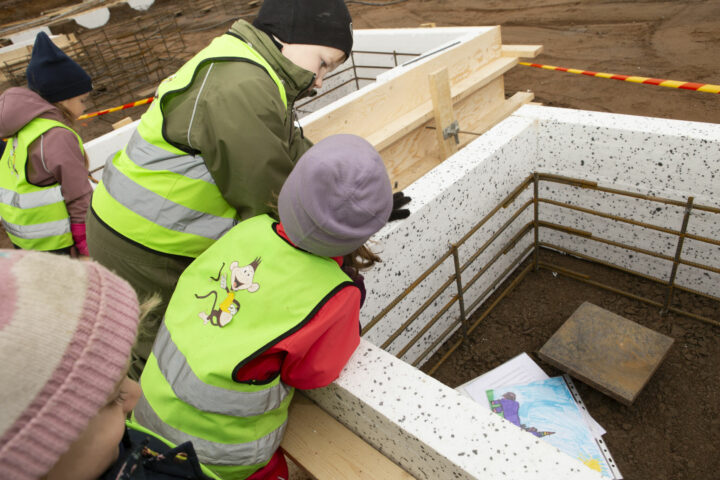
x=54, y=75
x=311, y=22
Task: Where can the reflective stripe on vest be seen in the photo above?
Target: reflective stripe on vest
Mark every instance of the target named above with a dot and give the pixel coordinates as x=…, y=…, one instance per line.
x=213, y=453
x=38, y=198
x=159, y=195
x=37, y=231
x=34, y=217
x=188, y=383
x=146, y=155
x=193, y=391
x=171, y=216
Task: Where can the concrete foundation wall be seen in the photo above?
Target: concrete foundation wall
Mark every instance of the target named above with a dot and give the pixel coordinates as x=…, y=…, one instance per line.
x=658, y=157
x=664, y=158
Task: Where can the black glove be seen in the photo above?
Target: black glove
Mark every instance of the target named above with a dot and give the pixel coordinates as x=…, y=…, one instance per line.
x=399, y=201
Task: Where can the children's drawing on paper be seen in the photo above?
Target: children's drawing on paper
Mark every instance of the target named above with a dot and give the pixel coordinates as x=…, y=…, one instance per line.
x=547, y=409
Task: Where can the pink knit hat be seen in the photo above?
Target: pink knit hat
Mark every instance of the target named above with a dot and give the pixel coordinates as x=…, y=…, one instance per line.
x=66, y=329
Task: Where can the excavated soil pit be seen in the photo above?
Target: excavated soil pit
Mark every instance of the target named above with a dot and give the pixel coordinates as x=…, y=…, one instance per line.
x=673, y=428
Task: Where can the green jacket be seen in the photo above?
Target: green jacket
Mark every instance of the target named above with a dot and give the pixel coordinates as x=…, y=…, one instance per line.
x=162, y=195
x=238, y=122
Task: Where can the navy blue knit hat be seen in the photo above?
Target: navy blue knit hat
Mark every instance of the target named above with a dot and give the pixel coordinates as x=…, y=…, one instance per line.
x=54, y=75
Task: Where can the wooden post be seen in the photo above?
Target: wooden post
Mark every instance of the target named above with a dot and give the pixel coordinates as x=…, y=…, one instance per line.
x=445, y=118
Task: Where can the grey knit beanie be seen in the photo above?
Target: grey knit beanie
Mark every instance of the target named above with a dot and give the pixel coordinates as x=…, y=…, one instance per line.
x=337, y=196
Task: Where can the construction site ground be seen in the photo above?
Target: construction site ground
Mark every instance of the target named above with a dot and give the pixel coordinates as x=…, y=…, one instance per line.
x=673, y=429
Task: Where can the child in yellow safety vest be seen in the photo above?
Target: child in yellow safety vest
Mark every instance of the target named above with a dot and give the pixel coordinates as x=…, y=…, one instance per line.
x=43, y=170
x=223, y=377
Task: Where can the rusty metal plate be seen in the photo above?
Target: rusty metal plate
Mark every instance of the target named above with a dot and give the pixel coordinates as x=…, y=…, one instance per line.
x=608, y=352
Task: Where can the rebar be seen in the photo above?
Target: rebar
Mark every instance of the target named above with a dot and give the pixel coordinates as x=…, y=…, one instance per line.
x=678, y=254
x=536, y=263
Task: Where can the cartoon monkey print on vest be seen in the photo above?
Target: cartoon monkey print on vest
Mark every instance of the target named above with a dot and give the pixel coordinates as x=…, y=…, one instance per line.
x=241, y=278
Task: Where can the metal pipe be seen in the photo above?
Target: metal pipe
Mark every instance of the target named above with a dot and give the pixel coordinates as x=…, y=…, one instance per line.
x=609, y=216
x=593, y=185
x=512, y=285
x=521, y=233
x=437, y=341
x=372, y=52
x=563, y=228
x=445, y=356
x=637, y=297
x=472, y=327
x=589, y=258
x=678, y=253
x=504, y=204
x=650, y=253
x=460, y=296
x=498, y=279
x=354, y=68
x=702, y=239
x=428, y=326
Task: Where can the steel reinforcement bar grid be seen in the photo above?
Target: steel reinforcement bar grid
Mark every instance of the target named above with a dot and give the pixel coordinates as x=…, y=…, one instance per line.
x=464, y=322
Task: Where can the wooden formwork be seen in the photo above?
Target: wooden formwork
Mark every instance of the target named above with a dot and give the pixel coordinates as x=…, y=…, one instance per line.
x=405, y=117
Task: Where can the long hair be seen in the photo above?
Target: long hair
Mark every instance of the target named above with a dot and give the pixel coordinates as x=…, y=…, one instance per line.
x=361, y=258
x=71, y=122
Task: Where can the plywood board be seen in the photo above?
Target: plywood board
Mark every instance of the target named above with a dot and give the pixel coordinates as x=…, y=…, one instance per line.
x=417, y=153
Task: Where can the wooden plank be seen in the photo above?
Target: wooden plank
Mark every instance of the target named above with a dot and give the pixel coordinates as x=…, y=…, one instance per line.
x=416, y=153
x=18, y=53
x=388, y=133
x=524, y=51
x=366, y=114
x=443, y=112
x=122, y=123
x=483, y=123
x=326, y=449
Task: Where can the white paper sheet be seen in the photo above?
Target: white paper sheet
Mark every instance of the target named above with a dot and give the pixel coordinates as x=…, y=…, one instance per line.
x=519, y=370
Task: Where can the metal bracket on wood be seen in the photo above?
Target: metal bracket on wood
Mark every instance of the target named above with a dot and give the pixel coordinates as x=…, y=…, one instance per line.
x=452, y=130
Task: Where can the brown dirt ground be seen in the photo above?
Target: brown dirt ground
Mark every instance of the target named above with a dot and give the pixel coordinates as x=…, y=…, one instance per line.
x=672, y=431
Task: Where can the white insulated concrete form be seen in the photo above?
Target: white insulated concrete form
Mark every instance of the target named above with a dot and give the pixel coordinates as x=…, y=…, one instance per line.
x=428, y=428
x=653, y=156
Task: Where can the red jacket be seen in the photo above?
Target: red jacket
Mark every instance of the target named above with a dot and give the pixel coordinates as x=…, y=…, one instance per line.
x=312, y=357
